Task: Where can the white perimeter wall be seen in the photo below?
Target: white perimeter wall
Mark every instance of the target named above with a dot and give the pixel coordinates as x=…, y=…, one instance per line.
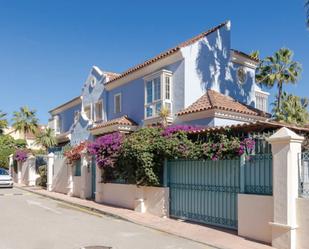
x=60, y=176
x=302, y=232
x=77, y=186
x=254, y=214
x=126, y=196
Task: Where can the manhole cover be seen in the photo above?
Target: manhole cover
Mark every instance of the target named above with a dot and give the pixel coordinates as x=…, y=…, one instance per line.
x=96, y=247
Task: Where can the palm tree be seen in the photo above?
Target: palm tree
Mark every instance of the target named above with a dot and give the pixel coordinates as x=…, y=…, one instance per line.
x=3, y=122
x=255, y=54
x=46, y=138
x=293, y=110
x=25, y=121
x=278, y=69
x=164, y=114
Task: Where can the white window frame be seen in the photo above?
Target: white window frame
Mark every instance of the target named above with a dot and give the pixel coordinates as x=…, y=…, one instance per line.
x=90, y=112
x=95, y=110
x=162, y=74
x=120, y=103
x=57, y=124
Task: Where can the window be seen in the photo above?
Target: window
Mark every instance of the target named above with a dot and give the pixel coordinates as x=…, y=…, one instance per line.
x=57, y=124
x=87, y=111
x=157, y=93
x=117, y=103
x=167, y=87
x=99, y=111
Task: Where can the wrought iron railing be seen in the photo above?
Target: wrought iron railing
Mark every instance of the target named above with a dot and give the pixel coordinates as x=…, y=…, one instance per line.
x=304, y=174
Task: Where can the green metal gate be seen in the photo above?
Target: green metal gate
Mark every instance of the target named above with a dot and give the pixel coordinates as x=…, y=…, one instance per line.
x=204, y=191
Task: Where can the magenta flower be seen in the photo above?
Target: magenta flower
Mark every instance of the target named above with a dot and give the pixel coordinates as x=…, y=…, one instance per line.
x=106, y=149
x=21, y=155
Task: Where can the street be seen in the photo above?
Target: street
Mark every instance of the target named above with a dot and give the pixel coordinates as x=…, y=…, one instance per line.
x=30, y=221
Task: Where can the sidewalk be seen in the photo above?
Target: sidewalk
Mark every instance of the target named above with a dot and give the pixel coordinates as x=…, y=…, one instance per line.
x=199, y=233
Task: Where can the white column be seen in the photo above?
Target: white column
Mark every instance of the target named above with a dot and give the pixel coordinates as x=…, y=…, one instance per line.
x=50, y=173
x=70, y=179
x=99, y=185
x=11, y=165
x=286, y=147
x=85, y=175
x=19, y=164
x=31, y=170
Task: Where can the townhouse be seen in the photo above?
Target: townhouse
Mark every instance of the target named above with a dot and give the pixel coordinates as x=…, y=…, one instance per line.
x=202, y=82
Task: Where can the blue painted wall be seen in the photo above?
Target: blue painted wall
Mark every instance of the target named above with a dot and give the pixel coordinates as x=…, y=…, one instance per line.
x=132, y=95
x=67, y=118
x=208, y=66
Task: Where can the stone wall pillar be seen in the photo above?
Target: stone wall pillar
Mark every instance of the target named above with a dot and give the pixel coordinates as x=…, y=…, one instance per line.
x=19, y=166
x=98, y=185
x=286, y=148
x=70, y=179
x=85, y=176
x=11, y=165
x=50, y=173
x=31, y=171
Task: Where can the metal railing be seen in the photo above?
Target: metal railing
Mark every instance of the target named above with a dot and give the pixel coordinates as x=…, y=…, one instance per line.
x=304, y=174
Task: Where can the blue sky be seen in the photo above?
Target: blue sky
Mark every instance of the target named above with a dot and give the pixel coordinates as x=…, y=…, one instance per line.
x=48, y=47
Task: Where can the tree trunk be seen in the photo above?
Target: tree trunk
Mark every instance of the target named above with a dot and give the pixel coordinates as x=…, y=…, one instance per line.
x=279, y=96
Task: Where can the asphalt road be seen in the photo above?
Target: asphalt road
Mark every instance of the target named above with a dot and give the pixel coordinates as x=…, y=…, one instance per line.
x=29, y=221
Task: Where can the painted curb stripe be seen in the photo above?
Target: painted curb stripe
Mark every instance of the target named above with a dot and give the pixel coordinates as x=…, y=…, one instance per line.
x=15, y=194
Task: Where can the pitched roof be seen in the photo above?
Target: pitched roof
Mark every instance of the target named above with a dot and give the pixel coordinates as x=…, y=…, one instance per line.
x=124, y=120
x=111, y=75
x=215, y=100
x=168, y=52
x=78, y=98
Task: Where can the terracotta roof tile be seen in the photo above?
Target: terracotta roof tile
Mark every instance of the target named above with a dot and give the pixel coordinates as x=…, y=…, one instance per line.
x=215, y=100
x=167, y=53
x=111, y=75
x=124, y=120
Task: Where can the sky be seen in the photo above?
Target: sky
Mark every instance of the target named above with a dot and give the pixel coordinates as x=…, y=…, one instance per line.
x=47, y=47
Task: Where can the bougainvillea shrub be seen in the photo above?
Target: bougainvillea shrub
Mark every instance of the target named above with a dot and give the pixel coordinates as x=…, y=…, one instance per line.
x=106, y=150
x=168, y=131
x=21, y=155
x=138, y=157
x=74, y=153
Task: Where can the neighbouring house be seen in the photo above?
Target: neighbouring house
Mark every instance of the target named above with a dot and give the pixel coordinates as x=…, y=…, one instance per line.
x=29, y=137
x=202, y=81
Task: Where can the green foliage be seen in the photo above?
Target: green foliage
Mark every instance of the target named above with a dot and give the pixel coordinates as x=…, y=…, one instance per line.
x=3, y=122
x=277, y=70
x=143, y=153
x=21, y=143
x=293, y=110
x=7, y=147
x=25, y=121
x=46, y=138
x=255, y=54
x=42, y=180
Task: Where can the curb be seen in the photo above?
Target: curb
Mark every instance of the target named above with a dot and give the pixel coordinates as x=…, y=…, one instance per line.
x=108, y=214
